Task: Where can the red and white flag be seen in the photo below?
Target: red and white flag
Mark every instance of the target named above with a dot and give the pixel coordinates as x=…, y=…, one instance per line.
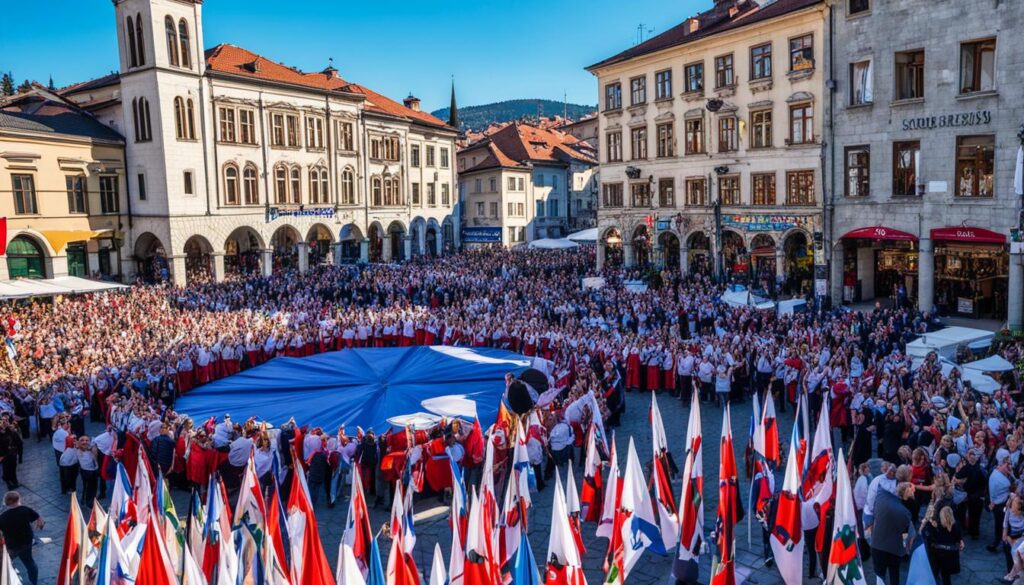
x=818, y=486
x=590, y=499
x=691, y=498
x=564, y=563
x=844, y=566
x=572, y=506
x=787, y=536
x=668, y=520
x=730, y=510
x=612, y=494
x=309, y=563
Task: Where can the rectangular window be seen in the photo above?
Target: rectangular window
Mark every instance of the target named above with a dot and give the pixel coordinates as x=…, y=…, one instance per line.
x=975, y=165
x=511, y=209
x=314, y=133
x=800, y=188
x=553, y=208
x=906, y=160
x=511, y=183
x=431, y=195
x=109, y=200
x=637, y=91
x=292, y=124
x=858, y=171
x=277, y=129
x=666, y=140
x=142, y=188
x=801, y=124
x=430, y=156
x=695, y=136
x=858, y=6
x=910, y=75
x=761, y=62
x=415, y=193
x=640, y=194
x=666, y=193
x=521, y=209
x=801, y=53
x=479, y=208
x=227, y=124
x=494, y=209
x=978, y=66
x=860, y=83
x=540, y=209
x=414, y=156
x=663, y=84
x=346, y=140
x=729, y=190
x=444, y=158
x=694, y=77
x=723, y=72
x=761, y=129
x=762, y=189
x=613, y=96
x=493, y=184
x=187, y=179
x=639, y=143
x=727, y=139
x=246, y=126
x=696, y=191
x=614, y=146
x=611, y=195
x=78, y=194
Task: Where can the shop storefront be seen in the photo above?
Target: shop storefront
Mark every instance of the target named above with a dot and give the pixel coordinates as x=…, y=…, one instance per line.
x=879, y=262
x=971, y=268
x=698, y=251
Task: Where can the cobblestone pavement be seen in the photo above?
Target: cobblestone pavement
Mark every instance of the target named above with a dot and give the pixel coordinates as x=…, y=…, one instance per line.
x=41, y=491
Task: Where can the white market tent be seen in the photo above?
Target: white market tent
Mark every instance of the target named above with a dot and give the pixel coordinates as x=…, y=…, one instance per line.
x=979, y=381
x=745, y=298
x=24, y=288
x=553, y=244
x=588, y=236
x=993, y=363
x=945, y=341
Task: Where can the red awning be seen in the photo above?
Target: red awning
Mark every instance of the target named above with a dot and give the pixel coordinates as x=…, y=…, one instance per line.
x=763, y=251
x=880, y=233
x=975, y=235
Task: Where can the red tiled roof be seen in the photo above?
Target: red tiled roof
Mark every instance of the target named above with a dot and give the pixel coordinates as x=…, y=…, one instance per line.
x=526, y=143
x=711, y=22
x=495, y=158
x=234, y=60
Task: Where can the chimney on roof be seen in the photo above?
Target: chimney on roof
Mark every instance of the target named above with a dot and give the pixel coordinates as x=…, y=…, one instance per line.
x=330, y=72
x=412, y=102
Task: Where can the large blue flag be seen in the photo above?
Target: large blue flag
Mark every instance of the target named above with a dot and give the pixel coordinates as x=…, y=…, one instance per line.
x=524, y=566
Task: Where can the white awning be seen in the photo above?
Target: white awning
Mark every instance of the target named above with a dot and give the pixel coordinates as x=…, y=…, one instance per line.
x=992, y=363
x=584, y=236
x=23, y=288
x=553, y=244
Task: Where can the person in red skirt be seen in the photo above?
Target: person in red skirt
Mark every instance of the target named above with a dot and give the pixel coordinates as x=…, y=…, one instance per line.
x=186, y=375
x=203, y=360
x=653, y=364
x=668, y=370
x=633, y=365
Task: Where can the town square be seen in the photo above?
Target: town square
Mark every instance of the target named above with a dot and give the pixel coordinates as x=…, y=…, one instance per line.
x=662, y=292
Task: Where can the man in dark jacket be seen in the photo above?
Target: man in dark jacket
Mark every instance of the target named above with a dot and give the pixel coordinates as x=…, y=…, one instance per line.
x=319, y=474
x=892, y=530
x=161, y=451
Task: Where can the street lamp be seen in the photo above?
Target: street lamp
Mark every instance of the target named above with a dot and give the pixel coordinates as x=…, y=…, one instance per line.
x=719, y=171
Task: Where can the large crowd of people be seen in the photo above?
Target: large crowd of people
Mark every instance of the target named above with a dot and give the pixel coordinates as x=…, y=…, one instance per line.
x=951, y=454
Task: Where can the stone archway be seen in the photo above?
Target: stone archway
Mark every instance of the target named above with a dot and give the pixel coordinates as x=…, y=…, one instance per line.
x=448, y=235
x=350, y=237
x=319, y=239
x=762, y=262
x=284, y=243
x=198, y=259
x=151, y=258
x=732, y=252
x=26, y=257
x=431, y=239
x=396, y=241
x=417, y=231
x=242, y=252
x=668, y=242
x=641, y=241
x=698, y=246
x=376, y=244
x=611, y=242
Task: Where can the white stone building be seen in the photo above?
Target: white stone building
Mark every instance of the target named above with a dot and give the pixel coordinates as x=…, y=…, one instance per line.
x=523, y=183
x=238, y=163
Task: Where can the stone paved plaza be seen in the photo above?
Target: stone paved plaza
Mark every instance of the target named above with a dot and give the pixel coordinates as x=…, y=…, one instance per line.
x=42, y=491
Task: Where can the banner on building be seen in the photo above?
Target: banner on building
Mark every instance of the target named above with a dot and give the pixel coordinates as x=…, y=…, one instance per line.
x=765, y=222
x=323, y=212
x=481, y=235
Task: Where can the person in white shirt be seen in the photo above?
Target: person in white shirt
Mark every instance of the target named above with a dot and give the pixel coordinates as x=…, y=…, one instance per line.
x=59, y=439
x=240, y=450
x=222, y=434
x=560, y=438
x=886, y=482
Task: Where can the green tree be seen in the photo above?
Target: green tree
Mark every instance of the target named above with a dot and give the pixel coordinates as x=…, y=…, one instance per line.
x=7, y=85
x=25, y=86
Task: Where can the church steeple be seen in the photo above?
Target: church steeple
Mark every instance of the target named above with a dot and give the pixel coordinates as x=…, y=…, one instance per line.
x=453, y=110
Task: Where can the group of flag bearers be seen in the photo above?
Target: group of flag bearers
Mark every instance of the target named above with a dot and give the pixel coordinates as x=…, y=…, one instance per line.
x=266, y=540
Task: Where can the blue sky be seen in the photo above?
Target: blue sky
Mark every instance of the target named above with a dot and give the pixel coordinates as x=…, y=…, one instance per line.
x=495, y=50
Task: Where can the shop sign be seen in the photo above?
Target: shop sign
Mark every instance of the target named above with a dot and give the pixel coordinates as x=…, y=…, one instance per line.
x=765, y=223
x=978, y=118
x=964, y=305
x=664, y=224
x=820, y=287
x=322, y=212
x=481, y=235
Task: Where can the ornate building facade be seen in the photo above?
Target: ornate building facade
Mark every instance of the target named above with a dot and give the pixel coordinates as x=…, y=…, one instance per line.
x=237, y=163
